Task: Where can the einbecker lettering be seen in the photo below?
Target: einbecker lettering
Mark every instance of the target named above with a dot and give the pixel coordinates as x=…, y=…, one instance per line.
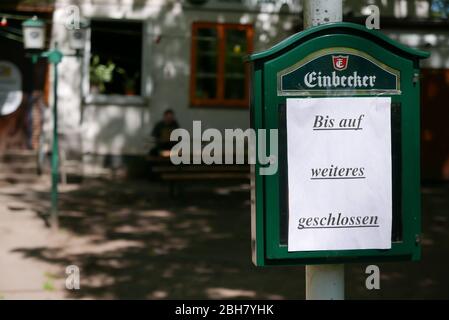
x=355, y=81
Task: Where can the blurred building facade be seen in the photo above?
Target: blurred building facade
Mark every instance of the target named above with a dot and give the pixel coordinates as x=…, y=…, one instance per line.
x=143, y=57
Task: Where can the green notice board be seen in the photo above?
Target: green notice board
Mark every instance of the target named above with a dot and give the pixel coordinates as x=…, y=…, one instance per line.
x=344, y=102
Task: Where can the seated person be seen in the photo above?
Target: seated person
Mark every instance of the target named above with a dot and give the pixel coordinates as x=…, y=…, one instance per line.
x=162, y=131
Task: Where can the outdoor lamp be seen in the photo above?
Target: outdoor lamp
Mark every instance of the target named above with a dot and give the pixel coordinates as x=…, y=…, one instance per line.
x=34, y=40
x=77, y=37
x=34, y=33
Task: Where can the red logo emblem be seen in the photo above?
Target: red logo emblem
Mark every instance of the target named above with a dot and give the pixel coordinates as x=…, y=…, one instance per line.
x=340, y=62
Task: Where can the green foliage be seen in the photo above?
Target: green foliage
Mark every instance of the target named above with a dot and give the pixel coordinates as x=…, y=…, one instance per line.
x=49, y=282
x=48, y=285
x=101, y=73
x=130, y=80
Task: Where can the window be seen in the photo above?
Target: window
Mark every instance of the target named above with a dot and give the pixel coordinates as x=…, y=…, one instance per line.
x=115, y=58
x=439, y=9
x=219, y=76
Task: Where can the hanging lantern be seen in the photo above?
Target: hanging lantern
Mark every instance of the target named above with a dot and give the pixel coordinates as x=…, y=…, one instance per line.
x=77, y=36
x=34, y=33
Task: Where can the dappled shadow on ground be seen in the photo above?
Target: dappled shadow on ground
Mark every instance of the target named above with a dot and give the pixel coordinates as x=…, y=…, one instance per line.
x=142, y=244
x=427, y=278
x=131, y=240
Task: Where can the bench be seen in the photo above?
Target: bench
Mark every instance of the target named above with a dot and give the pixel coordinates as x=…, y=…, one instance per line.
x=175, y=175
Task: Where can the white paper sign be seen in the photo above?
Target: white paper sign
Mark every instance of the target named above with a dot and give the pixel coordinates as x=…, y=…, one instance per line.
x=339, y=173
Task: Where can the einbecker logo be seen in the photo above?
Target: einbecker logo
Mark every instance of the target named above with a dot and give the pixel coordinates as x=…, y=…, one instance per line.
x=329, y=70
x=340, y=62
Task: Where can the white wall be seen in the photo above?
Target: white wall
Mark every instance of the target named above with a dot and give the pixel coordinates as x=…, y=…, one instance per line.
x=389, y=8
x=124, y=129
x=435, y=43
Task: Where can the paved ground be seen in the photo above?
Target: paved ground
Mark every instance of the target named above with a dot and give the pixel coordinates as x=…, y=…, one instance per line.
x=131, y=241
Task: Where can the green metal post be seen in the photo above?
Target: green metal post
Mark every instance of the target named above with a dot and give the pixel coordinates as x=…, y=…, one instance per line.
x=55, y=57
x=55, y=154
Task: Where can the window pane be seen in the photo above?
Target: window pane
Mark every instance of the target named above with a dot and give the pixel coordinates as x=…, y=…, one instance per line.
x=206, y=63
x=439, y=9
x=236, y=49
x=235, y=89
x=116, y=55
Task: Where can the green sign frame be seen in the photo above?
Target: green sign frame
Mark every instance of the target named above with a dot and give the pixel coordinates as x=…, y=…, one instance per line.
x=267, y=100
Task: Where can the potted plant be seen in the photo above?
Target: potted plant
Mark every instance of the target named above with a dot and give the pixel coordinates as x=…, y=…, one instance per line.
x=130, y=82
x=100, y=74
